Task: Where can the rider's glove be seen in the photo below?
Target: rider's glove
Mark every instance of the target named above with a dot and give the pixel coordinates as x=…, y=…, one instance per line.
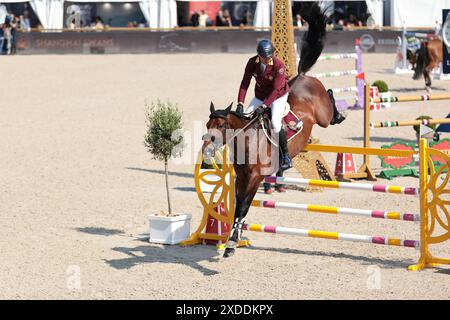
x=240, y=108
x=260, y=110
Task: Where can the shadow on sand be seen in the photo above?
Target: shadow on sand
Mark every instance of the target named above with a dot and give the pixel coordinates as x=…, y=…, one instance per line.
x=187, y=189
x=151, y=253
x=385, y=263
x=98, y=231
x=193, y=256
x=417, y=90
x=171, y=173
x=145, y=252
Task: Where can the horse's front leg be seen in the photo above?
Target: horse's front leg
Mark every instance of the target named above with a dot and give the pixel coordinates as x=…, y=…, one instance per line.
x=246, y=187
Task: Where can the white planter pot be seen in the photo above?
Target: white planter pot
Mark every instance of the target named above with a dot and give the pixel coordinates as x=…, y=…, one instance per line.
x=211, y=177
x=169, y=230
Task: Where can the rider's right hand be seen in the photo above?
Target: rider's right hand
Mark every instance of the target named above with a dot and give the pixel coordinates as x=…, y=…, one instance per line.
x=259, y=111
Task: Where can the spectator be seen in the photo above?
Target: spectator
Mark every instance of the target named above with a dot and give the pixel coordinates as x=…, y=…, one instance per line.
x=7, y=36
x=72, y=25
x=203, y=19
x=227, y=17
x=195, y=19
x=14, y=26
x=1, y=39
x=220, y=20
x=339, y=25
x=298, y=21
x=132, y=24
x=99, y=23
x=25, y=24
x=353, y=21
x=370, y=22
x=247, y=19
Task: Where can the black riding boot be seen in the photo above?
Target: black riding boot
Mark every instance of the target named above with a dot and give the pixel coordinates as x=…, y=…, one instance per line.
x=286, y=162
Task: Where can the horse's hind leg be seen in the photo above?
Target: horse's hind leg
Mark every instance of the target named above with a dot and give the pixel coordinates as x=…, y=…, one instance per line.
x=337, y=117
x=246, y=187
x=278, y=187
x=426, y=74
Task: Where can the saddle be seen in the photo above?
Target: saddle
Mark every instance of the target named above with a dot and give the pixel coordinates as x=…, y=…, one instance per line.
x=291, y=123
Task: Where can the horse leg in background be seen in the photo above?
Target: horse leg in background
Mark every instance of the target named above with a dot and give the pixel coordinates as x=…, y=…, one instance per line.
x=278, y=187
x=246, y=186
x=428, y=71
x=426, y=74
x=424, y=65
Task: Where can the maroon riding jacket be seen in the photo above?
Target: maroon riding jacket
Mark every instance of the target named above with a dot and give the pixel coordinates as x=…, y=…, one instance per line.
x=270, y=84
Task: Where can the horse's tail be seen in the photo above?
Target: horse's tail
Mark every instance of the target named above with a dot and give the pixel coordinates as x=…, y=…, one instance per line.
x=313, y=39
x=422, y=61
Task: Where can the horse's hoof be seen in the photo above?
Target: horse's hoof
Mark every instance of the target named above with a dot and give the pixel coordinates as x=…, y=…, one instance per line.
x=428, y=89
x=280, y=188
x=228, y=252
x=338, y=118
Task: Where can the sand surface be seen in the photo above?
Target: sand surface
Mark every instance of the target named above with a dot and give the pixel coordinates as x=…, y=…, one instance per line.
x=77, y=184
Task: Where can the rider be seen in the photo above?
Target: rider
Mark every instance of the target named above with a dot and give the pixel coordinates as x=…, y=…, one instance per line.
x=271, y=90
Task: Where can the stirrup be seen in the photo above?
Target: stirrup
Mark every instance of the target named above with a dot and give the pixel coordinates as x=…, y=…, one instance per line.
x=286, y=162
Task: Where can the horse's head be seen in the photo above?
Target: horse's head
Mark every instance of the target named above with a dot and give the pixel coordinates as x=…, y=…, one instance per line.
x=217, y=125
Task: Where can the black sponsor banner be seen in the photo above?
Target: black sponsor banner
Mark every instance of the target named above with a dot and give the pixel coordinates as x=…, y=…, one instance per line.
x=208, y=41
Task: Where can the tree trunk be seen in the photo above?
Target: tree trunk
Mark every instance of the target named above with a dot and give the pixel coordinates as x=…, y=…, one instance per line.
x=166, y=171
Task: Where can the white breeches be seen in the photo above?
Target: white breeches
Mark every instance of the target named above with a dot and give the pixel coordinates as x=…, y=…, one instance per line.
x=277, y=110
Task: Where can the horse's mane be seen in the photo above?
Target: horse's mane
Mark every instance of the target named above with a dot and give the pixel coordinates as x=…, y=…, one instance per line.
x=244, y=116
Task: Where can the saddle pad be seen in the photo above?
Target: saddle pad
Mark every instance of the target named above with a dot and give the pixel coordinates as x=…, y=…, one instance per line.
x=289, y=132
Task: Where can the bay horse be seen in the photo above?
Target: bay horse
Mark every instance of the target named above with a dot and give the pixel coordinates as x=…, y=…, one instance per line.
x=426, y=59
x=308, y=99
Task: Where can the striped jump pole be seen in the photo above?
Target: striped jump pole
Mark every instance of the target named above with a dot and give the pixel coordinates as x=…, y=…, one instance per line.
x=338, y=56
x=348, y=89
x=392, y=215
x=388, y=124
x=411, y=98
x=335, y=74
x=343, y=185
x=422, y=35
x=332, y=235
x=365, y=171
x=342, y=102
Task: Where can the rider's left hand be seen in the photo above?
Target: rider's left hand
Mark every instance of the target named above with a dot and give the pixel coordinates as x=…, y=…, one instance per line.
x=260, y=110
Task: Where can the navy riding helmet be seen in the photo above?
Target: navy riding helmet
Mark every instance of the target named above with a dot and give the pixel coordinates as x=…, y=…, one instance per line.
x=265, y=48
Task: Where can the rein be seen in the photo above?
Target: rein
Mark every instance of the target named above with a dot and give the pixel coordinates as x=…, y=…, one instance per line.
x=241, y=129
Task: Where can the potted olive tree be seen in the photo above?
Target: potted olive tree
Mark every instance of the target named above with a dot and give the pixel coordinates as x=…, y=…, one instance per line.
x=163, y=141
x=383, y=88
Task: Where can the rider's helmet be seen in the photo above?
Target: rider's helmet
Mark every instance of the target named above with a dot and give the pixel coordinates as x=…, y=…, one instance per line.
x=265, y=49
